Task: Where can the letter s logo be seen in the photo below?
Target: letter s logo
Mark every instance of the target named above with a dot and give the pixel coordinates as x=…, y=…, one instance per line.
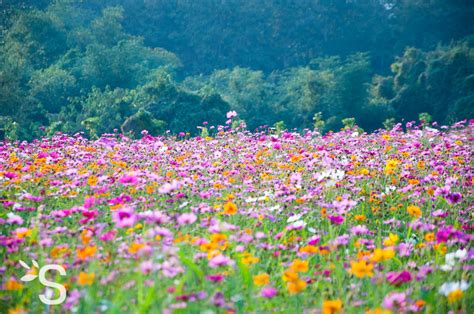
x=47, y=283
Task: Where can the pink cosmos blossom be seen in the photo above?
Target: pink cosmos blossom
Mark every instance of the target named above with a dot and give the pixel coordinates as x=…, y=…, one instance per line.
x=187, y=219
x=128, y=179
x=220, y=260
x=269, y=292
x=398, y=278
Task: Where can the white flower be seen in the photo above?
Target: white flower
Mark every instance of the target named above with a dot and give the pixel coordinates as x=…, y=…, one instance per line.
x=449, y=287
x=294, y=218
x=450, y=259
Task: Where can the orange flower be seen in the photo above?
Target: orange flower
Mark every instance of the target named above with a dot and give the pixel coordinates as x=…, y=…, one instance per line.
x=299, y=266
x=430, y=236
x=332, y=307
x=135, y=247
x=361, y=269
x=12, y=285
x=261, y=279
x=290, y=275
x=309, y=249
x=92, y=180
x=85, y=279
x=230, y=208
x=86, y=252
x=414, y=211
x=86, y=236
x=296, y=286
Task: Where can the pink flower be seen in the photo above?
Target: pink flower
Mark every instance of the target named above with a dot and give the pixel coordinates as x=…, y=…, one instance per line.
x=215, y=277
x=124, y=217
x=269, y=292
x=220, y=260
x=187, y=219
x=398, y=278
x=128, y=179
x=231, y=114
x=89, y=202
x=395, y=301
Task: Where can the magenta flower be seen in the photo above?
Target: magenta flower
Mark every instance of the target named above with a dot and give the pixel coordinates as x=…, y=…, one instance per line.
x=399, y=278
x=269, y=292
x=337, y=220
x=124, y=217
x=128, y=179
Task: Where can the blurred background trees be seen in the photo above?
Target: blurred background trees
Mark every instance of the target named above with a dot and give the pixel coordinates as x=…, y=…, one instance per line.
x=95, y=66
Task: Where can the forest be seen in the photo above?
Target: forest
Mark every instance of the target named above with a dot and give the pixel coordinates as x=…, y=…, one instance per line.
x=178, y=66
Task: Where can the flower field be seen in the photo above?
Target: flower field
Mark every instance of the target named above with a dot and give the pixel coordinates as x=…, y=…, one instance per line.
x=241, y=222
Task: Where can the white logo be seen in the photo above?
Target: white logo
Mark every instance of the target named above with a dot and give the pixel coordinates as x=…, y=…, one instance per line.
x=45, y=282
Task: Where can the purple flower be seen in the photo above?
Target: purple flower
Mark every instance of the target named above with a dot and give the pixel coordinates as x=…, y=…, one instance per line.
x=454, y=198
x=359, y=230
x=337, y=220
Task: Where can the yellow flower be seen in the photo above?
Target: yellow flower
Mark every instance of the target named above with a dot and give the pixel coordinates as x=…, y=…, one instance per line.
x=261, y=279
x=381, y=255
x=414, y=211
x=299, y=266
x=85, y=279
x=92, y=180
x=455, y=295
x=296, y=286
x=248, y=260
x=391, y=240
x=361, y=269
x=20, y=234
x=332, y=307
x=230, y=208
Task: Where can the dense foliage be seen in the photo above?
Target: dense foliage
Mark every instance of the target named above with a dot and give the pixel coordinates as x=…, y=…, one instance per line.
x=89, y=66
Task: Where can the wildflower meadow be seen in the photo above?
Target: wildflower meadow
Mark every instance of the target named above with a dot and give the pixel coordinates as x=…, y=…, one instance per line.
x=241, y=222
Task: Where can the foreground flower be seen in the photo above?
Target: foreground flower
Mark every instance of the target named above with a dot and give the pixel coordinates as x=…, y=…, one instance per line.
x=362, y=269
x=187, y=219
x=230, y=208
x=395, y=301
x=269, y=292
x=453, y=290
x=261, y=279
x=86, y=252
x=414, y=211
x=85, y=279
x=332, y=307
